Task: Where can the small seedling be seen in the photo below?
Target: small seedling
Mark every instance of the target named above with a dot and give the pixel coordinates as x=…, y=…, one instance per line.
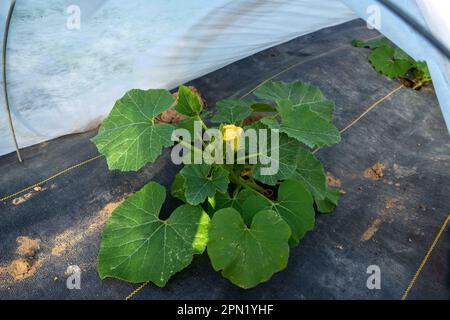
x=394, y=63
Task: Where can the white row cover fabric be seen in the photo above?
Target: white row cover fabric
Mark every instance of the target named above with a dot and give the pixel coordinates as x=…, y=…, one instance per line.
x=64, y=80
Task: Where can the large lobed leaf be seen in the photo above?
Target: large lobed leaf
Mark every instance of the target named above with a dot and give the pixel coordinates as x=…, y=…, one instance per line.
x=224, y=200
x=202, y=181
x=230, y=111
x=306, y=126
x=391, y=62
x=188, y=102
x=129, y=137
x=282, y=156
x=294, y=205
x=138, y=246
x=248, y=256
x=310, y=171
x=300, y=94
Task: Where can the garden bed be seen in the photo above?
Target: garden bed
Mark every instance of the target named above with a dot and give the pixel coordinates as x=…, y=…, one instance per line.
x=388, y=216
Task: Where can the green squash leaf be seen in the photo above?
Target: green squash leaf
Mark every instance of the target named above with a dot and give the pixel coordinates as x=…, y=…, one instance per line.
x=286, y=160
x=399, y=54
x=306, y=126
x=422, y=70
x=371, y=44
x=294, y=205
x=329, y=203
x=202, y=181
x=188, y=103
x=248, y=256
x=178, y=189
x=230, y=111
x=390, y=62
x=224, y=200
x=300, y=94
x=129, y=138
x=310, y=171
x=138, y=246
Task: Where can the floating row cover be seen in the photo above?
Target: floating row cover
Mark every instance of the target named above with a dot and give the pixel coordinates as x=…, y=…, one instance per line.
x=64, y=76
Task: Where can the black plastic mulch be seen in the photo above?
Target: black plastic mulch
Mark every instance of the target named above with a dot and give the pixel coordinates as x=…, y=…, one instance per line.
x=404, y=210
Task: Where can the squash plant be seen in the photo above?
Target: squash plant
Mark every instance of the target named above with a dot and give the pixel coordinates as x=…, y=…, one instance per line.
x=394, y=63
x=245, y=220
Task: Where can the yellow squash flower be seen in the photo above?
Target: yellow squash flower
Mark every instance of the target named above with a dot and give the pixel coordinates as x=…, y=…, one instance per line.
x=233, y=133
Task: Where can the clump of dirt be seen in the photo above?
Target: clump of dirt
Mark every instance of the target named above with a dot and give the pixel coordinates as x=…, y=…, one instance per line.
x=22, y=199
x=27, y=196
x=170, y=116
x=28, y=247
x=27, y=264
x=375, y=172
x=386, y=214
x=391, y=203
x=371, y=230
x=332, y=181
x=20, y=268
x=173, y=116
x=31, y=259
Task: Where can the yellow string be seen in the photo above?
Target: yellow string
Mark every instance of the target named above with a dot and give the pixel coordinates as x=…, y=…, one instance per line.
x=364, y=113
x=136, y=291
x=370, y=109
x=49, y=178
x=427, y=256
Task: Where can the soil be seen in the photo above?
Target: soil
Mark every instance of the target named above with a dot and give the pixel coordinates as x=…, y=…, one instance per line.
x=375, y=172
x=28, y=247
x=31, y=259
x=254, y=117
x=27, y=265
x=27, y=196
x=171, y=115
x=332, y=181
x=386, y=214
x=71, y=237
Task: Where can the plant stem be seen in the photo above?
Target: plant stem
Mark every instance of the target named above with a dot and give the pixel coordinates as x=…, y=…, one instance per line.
x=250, y=186
x=203, y=124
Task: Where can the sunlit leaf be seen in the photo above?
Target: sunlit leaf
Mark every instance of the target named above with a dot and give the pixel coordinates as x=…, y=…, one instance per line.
x=178, y=189
x=138, y=246
x=188, y=102
x=129, y=137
